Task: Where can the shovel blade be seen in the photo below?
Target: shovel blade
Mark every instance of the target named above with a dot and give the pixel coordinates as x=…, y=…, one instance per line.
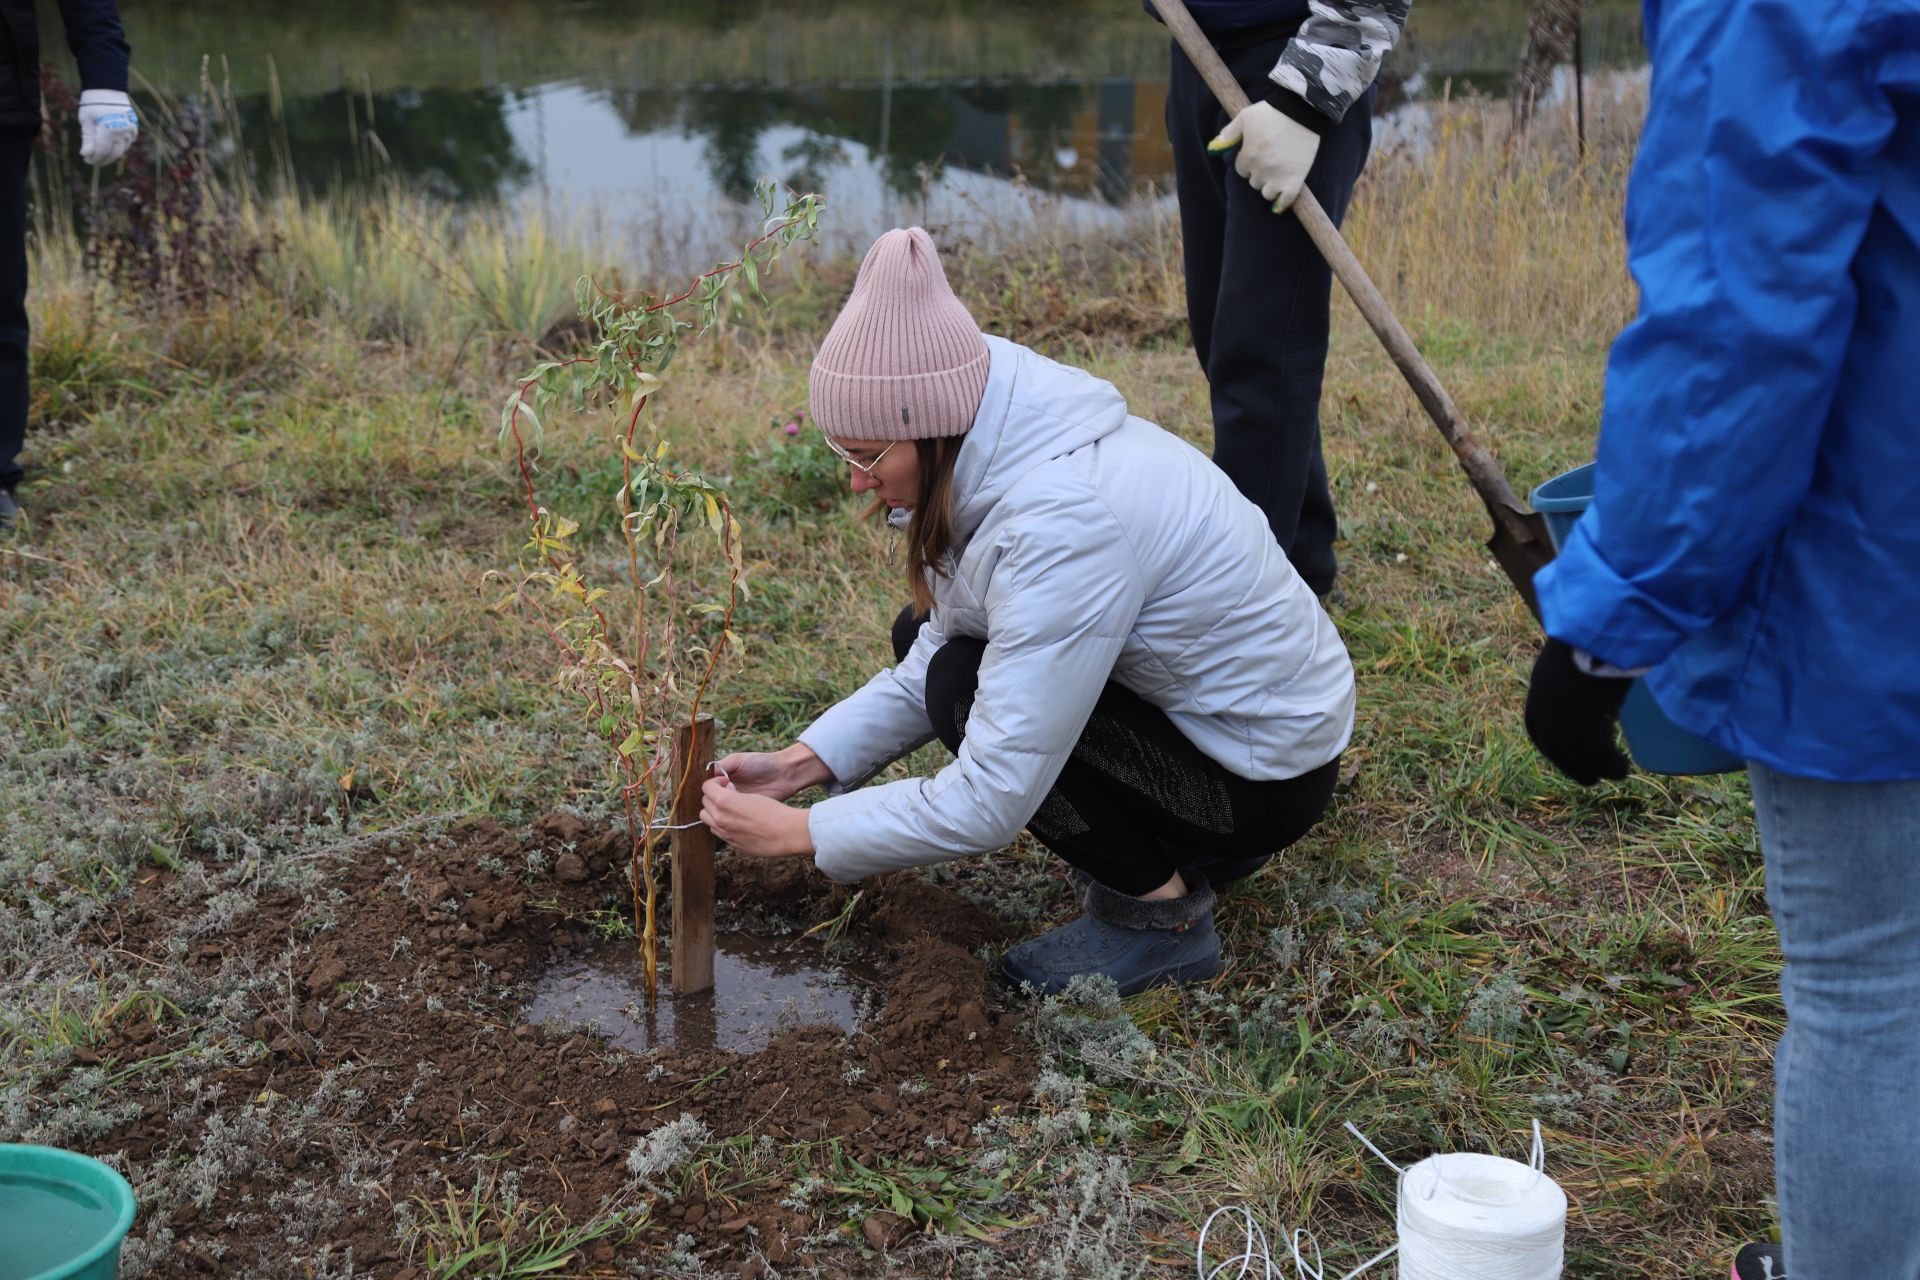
x=1521, y=547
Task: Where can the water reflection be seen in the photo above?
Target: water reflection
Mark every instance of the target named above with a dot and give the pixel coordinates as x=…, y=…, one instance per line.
x=456, y=144
x=761, y=988
x=954, y=107
x=1102, y=139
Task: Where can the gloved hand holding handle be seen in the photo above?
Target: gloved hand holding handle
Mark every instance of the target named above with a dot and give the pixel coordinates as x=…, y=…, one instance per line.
x=1275, y=151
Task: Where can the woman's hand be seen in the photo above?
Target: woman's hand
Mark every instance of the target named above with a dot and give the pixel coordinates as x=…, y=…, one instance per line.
x=776, y=774
x=754, y=824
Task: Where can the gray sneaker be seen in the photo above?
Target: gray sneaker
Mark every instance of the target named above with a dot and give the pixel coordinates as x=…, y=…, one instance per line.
x=9, y=509
x=1138, y=942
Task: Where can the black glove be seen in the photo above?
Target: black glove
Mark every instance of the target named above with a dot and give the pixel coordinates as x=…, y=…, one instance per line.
x=1572, y=716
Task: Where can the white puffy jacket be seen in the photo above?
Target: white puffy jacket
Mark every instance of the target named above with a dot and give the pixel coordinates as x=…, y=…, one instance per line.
x=1090, y=545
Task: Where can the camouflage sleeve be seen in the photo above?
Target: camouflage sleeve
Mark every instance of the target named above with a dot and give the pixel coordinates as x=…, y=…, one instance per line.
x=1338, y=51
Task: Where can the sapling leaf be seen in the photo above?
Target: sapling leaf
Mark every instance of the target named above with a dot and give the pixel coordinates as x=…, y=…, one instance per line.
x=526, y=411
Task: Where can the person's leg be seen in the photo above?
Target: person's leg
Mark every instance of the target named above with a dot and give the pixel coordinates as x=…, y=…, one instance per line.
x=16, y=148
x=1199, y=184
x=1843, y=882
x=1143, y=801
x=1265, y=345
x=1143, y=814
x=1137, y=801
x=906, y=629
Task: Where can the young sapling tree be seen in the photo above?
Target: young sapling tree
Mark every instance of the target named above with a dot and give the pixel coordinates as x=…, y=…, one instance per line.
x=637, y=658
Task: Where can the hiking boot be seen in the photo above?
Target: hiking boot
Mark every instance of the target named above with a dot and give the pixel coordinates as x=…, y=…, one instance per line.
x=9, y=510
x=1760, y=1262
x=1138, y=942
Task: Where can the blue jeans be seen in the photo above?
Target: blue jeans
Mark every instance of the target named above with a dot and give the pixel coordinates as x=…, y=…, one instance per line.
x=1843, y=880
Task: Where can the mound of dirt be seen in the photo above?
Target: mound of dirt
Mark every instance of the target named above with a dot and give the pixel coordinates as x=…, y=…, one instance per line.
x=411, y=993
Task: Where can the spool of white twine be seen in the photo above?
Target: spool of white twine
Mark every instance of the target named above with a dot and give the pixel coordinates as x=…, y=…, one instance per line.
x=1463, y=1216
x=1467, y=1216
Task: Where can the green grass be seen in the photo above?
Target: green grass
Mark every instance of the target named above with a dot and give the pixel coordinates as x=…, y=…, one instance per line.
x=245, y=627
x=483, y=1233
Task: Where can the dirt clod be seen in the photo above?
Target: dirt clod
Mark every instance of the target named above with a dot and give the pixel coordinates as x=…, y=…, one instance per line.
x=883, y=1230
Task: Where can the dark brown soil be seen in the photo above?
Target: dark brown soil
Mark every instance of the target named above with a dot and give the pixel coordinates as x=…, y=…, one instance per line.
x=450, y=1072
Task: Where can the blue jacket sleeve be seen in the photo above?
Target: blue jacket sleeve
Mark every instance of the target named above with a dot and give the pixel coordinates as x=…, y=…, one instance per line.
x=1756, y=177
x=98, y=42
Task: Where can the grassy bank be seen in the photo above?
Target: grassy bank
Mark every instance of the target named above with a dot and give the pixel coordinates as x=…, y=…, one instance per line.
x=246, y=633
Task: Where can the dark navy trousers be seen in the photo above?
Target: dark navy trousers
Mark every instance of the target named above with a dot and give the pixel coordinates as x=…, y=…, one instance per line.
x=16, y=147
x=1258, y=296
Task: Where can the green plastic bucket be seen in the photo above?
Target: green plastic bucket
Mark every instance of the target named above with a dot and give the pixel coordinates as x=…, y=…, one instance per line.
x=62, y=1215
x=1656, y=743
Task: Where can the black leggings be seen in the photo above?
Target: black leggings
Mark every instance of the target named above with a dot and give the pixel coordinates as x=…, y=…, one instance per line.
x=1137, y=800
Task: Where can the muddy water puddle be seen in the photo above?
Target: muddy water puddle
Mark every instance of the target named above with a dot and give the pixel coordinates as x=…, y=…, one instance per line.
x=761, y=988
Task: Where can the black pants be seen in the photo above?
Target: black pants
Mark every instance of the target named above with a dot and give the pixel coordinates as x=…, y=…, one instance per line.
x=1137, y=801
x=1258, y=301
x=16, y=147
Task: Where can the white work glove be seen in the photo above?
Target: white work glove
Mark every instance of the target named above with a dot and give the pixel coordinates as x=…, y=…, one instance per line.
x=1275, y=152
x=108, y=126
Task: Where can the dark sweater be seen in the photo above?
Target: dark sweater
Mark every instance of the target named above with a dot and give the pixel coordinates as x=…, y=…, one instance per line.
x=1225, y=17
x=93, y=33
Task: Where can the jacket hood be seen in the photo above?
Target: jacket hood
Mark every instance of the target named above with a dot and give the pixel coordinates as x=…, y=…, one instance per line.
x=1033, y=410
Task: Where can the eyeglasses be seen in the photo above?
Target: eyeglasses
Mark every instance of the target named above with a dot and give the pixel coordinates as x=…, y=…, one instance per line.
x=854, y=462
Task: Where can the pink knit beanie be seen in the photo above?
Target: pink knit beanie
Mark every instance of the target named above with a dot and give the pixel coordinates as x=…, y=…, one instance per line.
x=904, y=360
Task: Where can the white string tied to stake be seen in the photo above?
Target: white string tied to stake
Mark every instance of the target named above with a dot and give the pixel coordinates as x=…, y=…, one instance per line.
x=688, y=826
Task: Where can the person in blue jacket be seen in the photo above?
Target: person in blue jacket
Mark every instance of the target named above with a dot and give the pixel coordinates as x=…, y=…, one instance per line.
x=1754, y=546
x=108, y=127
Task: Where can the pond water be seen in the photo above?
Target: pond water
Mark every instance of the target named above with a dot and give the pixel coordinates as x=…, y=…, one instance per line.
x=943, y=109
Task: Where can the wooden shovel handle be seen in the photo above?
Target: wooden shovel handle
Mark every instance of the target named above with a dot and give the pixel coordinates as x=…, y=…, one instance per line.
x=1483, y=472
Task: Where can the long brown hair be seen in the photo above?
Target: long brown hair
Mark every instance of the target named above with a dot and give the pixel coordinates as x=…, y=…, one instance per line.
x=930, y=531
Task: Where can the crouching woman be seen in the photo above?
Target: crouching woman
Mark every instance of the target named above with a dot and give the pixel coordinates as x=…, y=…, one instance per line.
x=1105, y=634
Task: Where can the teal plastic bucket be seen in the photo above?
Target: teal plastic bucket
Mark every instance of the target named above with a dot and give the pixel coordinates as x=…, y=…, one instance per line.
x=1656, y=743
x=62, y=1215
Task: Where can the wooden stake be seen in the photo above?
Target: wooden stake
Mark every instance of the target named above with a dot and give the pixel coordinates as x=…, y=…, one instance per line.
x=692, y=860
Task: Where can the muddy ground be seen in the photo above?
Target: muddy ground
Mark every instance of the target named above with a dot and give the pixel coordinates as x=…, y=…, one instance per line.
x=390, y=1064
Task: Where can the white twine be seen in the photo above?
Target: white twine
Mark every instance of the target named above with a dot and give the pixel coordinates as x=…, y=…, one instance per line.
x=1255, y=1260
x=1462, y=1216
x=688, y=826
x=1469, y=1216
